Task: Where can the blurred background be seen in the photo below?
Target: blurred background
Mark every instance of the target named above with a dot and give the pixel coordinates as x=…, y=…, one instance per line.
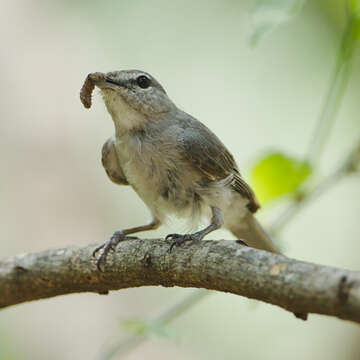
x=54, y=191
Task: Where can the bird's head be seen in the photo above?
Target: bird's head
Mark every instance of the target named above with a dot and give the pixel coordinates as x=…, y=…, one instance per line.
x=132, y=96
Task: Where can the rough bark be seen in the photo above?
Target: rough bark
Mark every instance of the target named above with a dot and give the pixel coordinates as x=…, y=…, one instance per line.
x=226, y=266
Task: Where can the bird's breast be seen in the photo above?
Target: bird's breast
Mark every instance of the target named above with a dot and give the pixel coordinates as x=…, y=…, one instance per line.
x=159, y=175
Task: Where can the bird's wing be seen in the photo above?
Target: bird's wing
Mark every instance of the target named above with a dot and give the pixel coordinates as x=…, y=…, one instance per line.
x=209, y=155
x=111, y=164
x=240, y=185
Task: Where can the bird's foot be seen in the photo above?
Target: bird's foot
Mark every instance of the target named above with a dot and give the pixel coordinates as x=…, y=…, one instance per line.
x=108, y=246
x=179, y=239
x=241, y=242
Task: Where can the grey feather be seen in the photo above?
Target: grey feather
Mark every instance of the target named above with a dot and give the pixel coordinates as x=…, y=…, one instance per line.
x=251, y=232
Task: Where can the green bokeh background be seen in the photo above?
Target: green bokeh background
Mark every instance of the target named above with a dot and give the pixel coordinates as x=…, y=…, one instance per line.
x=55, y=193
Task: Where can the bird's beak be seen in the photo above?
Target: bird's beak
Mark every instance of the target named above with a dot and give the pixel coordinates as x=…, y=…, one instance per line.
x=103, y=81
x=111, y=81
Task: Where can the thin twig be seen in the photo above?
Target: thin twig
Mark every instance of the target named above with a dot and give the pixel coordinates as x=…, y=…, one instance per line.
x=165, y=317
x=336, y=91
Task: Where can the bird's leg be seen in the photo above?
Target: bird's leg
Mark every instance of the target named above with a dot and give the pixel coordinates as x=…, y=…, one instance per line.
x=119, y=236
x=216, y=222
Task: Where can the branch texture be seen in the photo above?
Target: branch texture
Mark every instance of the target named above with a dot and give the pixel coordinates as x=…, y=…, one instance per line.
x=217, y=265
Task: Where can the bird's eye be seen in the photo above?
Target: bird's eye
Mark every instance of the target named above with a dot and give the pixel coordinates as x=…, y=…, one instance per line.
x=143, y=81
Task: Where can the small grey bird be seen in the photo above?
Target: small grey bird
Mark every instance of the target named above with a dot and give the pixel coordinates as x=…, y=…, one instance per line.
x=173, y=161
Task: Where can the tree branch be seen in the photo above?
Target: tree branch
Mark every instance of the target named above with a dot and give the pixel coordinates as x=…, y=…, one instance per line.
x=217, y=265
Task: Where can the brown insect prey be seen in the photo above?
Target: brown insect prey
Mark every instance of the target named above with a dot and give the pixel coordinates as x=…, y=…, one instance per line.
x=86, y=92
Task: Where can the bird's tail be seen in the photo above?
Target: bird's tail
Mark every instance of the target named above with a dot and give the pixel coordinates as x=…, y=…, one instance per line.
x=251, y=232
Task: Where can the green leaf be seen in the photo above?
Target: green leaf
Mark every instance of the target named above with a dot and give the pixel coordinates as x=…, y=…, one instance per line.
x=277, y=175
x=134, y=326
x=354, y=7
x=142, y=328
x=268, y=14
x=354, y=10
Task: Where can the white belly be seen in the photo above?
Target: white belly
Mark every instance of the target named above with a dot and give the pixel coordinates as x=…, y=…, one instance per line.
x=145, y=175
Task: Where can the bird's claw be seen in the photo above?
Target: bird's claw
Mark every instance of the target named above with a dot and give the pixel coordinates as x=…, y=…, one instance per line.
x=179, y=239
x=241, y=242
x=108, y=246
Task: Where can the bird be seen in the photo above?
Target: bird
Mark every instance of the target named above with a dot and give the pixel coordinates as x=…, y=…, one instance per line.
x=175, y=163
